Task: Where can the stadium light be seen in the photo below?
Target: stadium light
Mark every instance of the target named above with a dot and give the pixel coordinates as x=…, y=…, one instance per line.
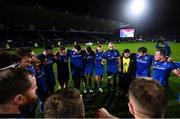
x=137, y=7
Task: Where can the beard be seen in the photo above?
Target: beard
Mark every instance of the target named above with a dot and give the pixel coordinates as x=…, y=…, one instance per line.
x=30, y=102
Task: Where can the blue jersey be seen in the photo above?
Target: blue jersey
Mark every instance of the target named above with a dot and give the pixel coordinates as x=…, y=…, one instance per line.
x=99, y=67
x=41, y=80
x=178, y=64
x=31, y=69
x=143, y=65
x=89, y=63
x=49, y=67
x=166, y=47
x=161, y=71
x=76, y=60
x=111, y=57
x=62, y=64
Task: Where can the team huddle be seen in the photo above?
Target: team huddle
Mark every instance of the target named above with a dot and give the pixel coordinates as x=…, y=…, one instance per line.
x=86, y=63
x=81, y=64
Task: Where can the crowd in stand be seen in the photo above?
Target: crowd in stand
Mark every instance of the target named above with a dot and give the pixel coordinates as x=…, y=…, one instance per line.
x=27, y=80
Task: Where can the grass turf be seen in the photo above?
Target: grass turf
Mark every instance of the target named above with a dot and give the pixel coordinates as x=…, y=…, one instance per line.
x=117, y=105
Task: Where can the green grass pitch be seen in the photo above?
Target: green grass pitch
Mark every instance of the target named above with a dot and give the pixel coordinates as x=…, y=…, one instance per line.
x=118, y=106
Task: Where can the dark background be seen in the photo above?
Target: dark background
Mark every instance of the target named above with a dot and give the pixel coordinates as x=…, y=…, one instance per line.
x=162, y=15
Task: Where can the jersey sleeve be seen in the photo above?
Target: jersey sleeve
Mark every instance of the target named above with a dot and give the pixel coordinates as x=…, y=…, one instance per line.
x=105, y=55
x=172, y=66
x=118, y=53
x=178, y=64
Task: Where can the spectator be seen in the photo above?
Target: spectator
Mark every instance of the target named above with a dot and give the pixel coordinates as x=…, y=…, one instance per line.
x=147, y=99
x=164, y=46
x=65, y=103
x=13, y=95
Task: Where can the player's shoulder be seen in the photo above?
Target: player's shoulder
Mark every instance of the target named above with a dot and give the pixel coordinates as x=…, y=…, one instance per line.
x=116, y=50
x=107, y=51
x=155, y=62
x=171, y=63
x=150, y=56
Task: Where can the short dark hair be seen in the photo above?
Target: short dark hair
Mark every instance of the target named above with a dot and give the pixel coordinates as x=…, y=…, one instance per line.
x=126, y=51
x=62, y=48
x=12, y=82
x=150, y=96
x=77, y=47
x=162, y=52
x=24, y=52
x=65, y=103
x=89, y=49
x=142, y=49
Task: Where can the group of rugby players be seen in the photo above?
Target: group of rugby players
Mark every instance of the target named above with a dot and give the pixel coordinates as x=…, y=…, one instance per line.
x=82, y=64
x=86, y=62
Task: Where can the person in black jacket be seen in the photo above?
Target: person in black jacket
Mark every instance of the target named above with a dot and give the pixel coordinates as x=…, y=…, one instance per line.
x=127, y=71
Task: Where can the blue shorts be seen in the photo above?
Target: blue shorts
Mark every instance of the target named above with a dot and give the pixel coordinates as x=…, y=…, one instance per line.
x=77, y=72
x=88, y=70
x=112, y=71
x=99, y=72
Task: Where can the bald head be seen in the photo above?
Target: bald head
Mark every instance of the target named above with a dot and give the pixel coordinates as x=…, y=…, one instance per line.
x=111, y=46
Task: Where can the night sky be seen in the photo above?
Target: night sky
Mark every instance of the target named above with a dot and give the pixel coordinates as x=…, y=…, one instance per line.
x=161, y=14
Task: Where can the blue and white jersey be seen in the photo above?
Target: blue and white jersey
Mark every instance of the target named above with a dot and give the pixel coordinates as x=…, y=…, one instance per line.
x=62, y=63
x=41, y=80
x=111, y=57
x=49, y=67
x=76, y=60
x=31, y=69
x=143, y=65
x=99, y=67
x=161, y=71
x=177, y=64
x=89, y=63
